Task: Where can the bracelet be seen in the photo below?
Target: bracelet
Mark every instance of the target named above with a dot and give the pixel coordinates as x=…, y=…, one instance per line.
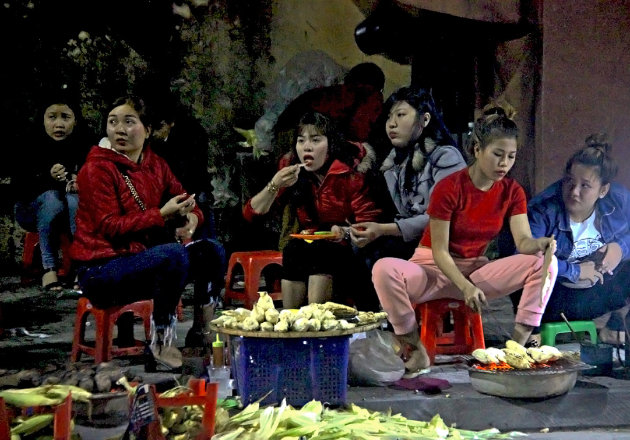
x=272, y=187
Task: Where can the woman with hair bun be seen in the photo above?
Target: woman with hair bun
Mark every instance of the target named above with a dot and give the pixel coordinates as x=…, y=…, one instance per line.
x=589, y=215
x=466, y=211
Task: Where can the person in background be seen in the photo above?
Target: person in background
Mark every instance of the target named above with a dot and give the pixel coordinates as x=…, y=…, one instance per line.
x=423, y=153
x=127, y=197
x=355, y=105
x=589, y=215
x=47, y=196
x=466, y=211
x=183, y=143
x=325, y=191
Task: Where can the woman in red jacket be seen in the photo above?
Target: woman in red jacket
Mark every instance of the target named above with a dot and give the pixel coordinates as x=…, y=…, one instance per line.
x=121, y=213
x=327, y=194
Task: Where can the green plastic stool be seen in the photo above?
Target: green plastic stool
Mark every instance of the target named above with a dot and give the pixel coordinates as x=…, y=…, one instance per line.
x=550, y=330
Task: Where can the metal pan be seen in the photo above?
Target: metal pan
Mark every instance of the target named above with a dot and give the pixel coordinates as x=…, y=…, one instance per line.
x=539, y=383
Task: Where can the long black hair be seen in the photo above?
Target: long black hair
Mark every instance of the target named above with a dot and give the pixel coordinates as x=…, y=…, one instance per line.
x=422, y=101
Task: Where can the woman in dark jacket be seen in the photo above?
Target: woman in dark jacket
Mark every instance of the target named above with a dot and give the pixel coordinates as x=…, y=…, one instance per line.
x=327, y=193
x=47, y=196
x=122, y=212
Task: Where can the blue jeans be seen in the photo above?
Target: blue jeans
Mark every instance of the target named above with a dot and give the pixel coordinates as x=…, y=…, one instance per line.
x=158, y=273
x=46, y=214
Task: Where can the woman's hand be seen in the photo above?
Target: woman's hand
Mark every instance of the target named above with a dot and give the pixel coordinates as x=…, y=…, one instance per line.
x=612, y=257
x=58, y=172
x=474, y=298
x=181, y=204
x=365, y=233
x=287, y=176
x=341, y=233
x=71, y=186
x=589, y=272
x=185, y=233
x=545, y=242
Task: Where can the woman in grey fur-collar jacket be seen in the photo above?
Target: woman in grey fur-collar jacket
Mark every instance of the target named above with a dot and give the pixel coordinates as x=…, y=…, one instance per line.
x=423, y=153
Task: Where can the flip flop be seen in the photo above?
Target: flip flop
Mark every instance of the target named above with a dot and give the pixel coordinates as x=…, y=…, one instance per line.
x=50, y=282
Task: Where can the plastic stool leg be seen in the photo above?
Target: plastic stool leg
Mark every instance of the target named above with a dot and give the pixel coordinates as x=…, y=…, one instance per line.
x=79, y=332
x=252, y=283
x=547, y=335
x=477, y=330
x=428, y=331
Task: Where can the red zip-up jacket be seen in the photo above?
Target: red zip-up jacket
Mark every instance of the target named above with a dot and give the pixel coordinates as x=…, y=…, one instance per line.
x=109, y=221
x=342, y=195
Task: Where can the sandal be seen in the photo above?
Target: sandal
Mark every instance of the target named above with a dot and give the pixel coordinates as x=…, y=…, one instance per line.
x=167, y=356
x=612, y=337
x=50, y=282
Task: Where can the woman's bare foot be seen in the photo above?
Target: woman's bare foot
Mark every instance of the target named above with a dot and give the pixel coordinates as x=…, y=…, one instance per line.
x=414, y=354
x=50, y=282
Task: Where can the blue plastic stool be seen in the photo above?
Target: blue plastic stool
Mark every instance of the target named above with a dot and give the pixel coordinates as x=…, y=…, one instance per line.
x=550, y=330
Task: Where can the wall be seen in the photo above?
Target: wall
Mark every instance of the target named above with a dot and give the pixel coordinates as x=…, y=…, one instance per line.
x=327, y=25
x=585, y=82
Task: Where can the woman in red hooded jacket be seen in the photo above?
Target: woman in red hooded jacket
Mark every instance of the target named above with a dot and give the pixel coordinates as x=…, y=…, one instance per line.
x=127, y=194
x=326, y=193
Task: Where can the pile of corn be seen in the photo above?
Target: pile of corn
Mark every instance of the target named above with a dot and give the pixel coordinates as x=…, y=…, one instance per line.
x=39, y=426
x=311, y=318
x=180, y=422
x=315, y=422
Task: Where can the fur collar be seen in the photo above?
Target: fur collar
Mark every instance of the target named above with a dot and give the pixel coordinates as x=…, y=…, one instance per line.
x=368, y=160
x=418, y=159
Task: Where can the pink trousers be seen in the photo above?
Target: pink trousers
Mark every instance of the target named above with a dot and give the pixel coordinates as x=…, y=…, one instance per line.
x=400, y=284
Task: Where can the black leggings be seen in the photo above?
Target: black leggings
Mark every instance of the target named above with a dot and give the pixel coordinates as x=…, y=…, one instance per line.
x=579, y=304
x=352, y=281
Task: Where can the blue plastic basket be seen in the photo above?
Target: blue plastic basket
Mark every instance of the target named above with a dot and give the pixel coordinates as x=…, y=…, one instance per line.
x=298, y=369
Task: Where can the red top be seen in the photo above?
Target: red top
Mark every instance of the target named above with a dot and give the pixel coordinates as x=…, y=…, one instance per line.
x=110, y=222
x=476, y=216
x=343, y=195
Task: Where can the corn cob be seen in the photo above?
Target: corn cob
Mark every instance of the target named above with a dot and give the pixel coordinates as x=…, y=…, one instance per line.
x=33, y=424
x=32, y=398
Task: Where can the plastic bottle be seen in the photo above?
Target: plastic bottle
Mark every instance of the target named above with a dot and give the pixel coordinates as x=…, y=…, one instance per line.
x=217, y=353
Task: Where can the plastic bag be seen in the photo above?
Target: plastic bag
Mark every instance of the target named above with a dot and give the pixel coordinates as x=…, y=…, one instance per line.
x=373, y=360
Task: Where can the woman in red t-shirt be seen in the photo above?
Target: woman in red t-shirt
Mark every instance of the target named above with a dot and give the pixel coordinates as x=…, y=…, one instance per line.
x=467, y=210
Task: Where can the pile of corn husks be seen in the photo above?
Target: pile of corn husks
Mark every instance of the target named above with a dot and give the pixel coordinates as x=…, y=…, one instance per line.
x=315, y=422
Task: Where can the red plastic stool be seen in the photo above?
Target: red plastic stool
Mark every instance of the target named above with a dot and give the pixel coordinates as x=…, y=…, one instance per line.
x=103, y=350
x=253, y=264
x=466, y=336
x=31, y=242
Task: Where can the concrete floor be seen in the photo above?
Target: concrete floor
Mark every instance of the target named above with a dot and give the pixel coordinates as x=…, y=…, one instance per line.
x=597, y=408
